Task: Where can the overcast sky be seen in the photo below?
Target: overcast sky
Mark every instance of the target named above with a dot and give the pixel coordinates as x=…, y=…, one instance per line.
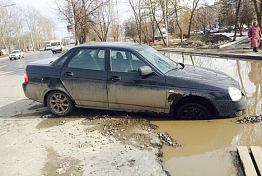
x=47, y=9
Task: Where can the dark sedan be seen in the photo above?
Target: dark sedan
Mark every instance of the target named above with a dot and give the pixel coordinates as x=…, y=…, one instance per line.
x=131, y=77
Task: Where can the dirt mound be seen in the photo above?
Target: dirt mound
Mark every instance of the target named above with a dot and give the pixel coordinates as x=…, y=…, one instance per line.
x=215, y=39
x=206, y=40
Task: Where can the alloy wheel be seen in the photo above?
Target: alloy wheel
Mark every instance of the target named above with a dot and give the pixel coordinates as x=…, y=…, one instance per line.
x=59, y=103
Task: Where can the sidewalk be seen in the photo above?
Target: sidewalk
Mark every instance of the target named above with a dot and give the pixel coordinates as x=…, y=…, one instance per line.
x=241, y=53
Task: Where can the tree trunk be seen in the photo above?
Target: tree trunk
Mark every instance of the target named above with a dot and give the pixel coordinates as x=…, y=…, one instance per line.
x=258, y=11
x=195, y=4
x=190, y=24
x=237, y=17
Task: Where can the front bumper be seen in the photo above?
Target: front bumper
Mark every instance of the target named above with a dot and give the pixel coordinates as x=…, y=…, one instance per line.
x=13, y=57
x=228, y=108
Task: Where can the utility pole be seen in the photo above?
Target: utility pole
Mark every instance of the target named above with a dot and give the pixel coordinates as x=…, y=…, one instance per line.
x=73, y=22
x=166, y=25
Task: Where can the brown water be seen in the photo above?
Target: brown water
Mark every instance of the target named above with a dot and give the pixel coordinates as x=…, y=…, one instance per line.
x=209, y=147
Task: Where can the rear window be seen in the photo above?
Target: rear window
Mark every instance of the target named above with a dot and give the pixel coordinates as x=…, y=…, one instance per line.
x=55, y=43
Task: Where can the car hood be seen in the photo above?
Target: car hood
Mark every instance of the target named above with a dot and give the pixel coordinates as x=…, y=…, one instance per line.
x=200, y=78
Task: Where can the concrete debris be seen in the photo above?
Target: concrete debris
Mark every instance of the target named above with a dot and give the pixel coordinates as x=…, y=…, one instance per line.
x=47, y=116
x=166, y=139
x=63, y=167
x=251, y=119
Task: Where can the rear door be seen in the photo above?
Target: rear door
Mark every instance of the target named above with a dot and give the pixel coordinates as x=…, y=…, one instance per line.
x=127, y=90
x=85, y=77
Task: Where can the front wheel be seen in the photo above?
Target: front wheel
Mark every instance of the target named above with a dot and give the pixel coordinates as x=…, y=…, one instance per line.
x=59, y=103
x=193, y=111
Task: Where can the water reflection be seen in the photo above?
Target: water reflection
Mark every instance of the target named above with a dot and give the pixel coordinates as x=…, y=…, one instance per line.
x=208, y=145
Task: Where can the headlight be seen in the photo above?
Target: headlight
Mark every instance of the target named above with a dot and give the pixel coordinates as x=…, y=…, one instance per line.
x=234, y=93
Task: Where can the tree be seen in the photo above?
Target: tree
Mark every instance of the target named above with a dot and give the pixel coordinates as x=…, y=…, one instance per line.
x=78, y=13
x=156, y=21
x=226, y=14
x=258, y=9
x=238, y=5
x=137, y=12
x=206, y=16
x=177, y=8
x=246, y=15
x=192, y=12
x=10, y=25
x=130, y=28
x=101, y=21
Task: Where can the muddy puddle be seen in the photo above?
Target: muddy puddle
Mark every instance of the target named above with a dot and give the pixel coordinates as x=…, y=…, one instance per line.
x=209, y=147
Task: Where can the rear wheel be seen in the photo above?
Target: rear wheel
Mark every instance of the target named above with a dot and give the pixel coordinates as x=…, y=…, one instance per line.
x=59, y=103
x=192, y=111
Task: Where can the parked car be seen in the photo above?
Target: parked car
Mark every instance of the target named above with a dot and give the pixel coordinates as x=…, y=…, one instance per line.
x=198, y=32
x=48, y=47
x=206, y=31
x=16, y=54
x=42, y=49
x=229, y=29
x=213, y=30
x=131, y=77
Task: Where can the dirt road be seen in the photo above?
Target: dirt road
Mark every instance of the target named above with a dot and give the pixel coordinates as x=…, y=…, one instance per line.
x=88, y=143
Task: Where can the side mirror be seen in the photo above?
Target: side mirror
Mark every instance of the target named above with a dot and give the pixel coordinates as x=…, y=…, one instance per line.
x=144, y=71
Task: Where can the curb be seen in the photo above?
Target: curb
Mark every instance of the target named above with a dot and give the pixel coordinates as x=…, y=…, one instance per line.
x=230, y=55
x=232, y=43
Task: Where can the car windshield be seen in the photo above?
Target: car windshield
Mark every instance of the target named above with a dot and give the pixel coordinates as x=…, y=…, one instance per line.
x=15, y=52
x=163, y=63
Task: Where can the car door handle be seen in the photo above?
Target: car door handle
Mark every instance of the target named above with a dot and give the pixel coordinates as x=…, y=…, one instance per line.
x=115, y=78
x=69, y=74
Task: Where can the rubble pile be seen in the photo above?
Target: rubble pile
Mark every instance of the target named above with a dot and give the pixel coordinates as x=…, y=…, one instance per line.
x=63, y=167
x=166, y=139
x=252, y=119
x=112, y=128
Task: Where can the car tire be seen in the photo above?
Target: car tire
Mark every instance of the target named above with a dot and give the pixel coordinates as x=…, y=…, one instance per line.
x=10, y=58
x=59, y=103
x=192, y=111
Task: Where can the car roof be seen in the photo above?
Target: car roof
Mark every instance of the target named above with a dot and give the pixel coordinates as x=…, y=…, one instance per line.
x=122, y=45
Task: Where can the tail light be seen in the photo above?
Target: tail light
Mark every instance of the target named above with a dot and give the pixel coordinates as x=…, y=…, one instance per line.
x=26, y=77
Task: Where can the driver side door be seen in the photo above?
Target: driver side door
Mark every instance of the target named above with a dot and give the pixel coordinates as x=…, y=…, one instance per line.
x=127, y=90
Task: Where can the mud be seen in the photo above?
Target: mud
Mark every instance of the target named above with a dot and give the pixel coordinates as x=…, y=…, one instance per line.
x=209, y=147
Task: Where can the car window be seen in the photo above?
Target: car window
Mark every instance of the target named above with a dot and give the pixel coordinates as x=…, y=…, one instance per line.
x=93, y=59
x=125, y=61
x=163, y=63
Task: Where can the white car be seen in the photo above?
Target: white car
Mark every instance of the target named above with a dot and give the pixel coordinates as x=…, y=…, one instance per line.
x=16, y=54
x=48, y=47
x=42, y=49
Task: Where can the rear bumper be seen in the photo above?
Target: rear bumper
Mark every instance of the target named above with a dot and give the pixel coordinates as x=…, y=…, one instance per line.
x=33, y=91
x=230, y=108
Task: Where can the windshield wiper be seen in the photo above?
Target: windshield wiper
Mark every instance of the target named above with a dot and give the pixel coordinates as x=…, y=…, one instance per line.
x=182, y=66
